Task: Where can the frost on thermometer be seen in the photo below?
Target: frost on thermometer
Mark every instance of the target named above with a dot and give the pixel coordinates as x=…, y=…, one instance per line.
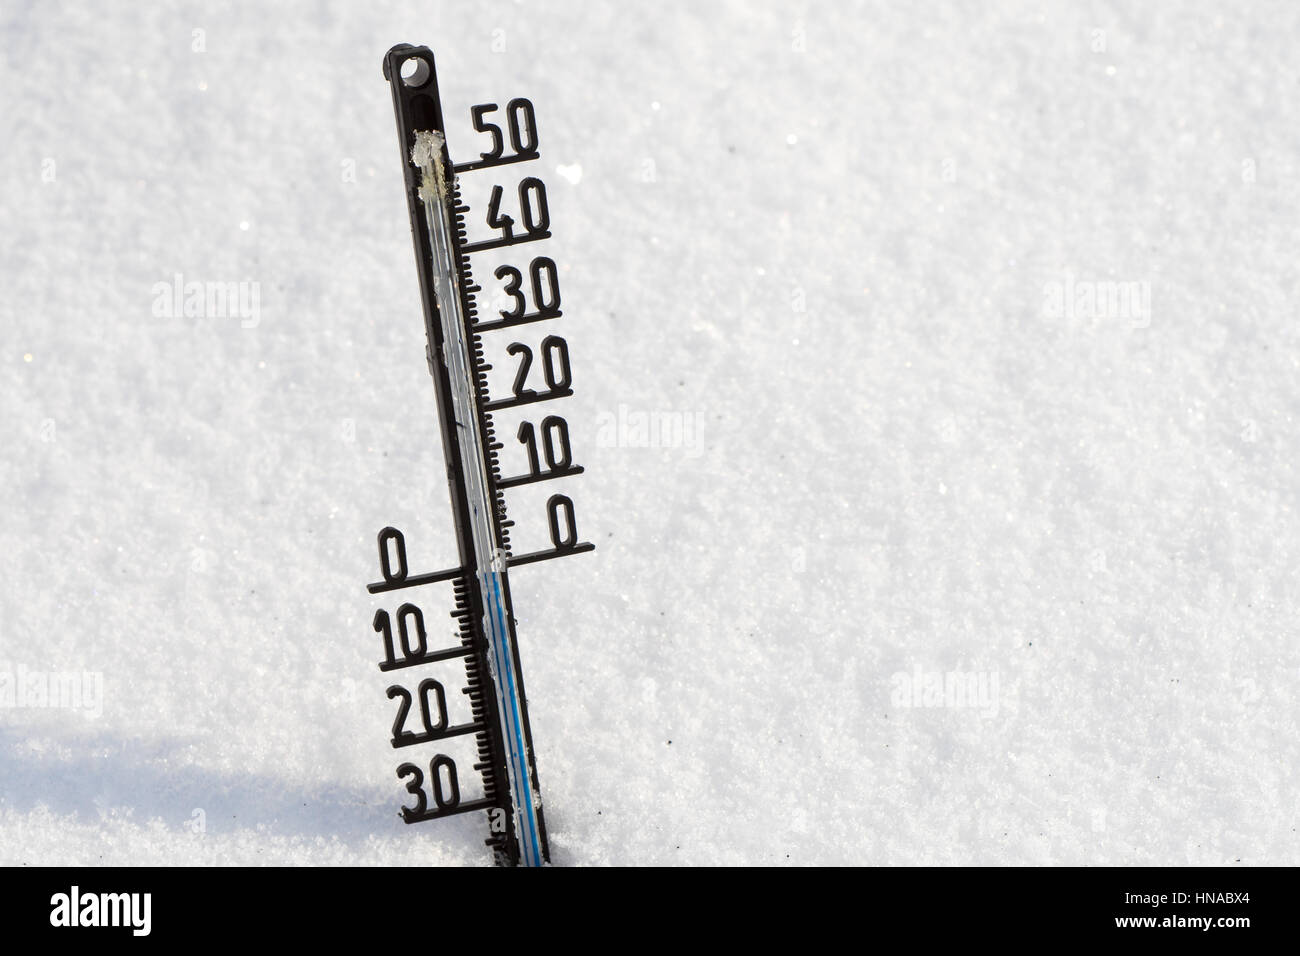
x=486, y=661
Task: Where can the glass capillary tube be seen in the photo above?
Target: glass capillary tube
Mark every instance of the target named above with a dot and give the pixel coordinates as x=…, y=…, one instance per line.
x=435, y=192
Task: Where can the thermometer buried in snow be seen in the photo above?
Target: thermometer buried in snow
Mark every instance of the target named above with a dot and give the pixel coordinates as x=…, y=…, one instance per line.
x=497, y=723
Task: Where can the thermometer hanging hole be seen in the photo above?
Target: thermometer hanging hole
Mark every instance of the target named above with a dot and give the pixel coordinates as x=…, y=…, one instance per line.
x=415, y=72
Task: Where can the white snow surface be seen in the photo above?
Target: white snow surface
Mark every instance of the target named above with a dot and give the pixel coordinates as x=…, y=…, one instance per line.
x=826, y=242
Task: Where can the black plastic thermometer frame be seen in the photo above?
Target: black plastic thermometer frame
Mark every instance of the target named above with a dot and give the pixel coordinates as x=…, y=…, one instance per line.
x=484, y=610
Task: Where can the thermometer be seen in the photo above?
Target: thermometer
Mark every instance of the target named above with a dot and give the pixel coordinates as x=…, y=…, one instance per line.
x=458, y=333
